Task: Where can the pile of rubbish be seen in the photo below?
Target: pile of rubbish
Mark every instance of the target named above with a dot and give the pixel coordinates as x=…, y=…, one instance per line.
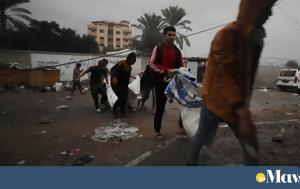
x=114, y=129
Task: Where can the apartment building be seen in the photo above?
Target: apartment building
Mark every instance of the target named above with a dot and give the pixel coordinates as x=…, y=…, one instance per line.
x=110, y=34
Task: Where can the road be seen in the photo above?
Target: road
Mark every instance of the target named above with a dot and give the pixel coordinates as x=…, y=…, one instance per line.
x=34, y=132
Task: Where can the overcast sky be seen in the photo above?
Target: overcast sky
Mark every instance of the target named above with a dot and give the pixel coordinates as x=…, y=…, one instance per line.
x=283, y=31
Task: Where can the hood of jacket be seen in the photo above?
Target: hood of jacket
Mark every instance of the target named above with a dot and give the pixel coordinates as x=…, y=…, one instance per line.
x=250, y=11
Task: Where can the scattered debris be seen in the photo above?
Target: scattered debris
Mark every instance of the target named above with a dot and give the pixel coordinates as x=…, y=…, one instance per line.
x=48, y=88
x=42, y=132
x=277, y=138
x=21, y=162
x=58, y=86
x=45, y=120
x=263, y=90
x=223, y=125
x=116, y=128
x=40, y=102
x=140, y=136
x=68, y=153
x=62, y=107
x=3, y=113
x=68, y=97
x=83, y=136
x=289, y=113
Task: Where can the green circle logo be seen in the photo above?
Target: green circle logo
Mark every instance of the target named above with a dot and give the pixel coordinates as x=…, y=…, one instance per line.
x=260, y=177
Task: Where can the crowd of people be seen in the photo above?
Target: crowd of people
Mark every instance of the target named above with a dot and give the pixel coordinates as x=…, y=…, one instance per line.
x=226, y=87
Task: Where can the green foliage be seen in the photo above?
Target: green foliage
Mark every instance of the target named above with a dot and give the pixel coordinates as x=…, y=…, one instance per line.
x=48, y=36
x=173, y=17
x=12, y=17
x=292, y=64
x=151, y=26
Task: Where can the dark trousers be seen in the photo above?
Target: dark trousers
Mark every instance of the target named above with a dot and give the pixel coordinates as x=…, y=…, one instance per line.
x=161, y=100
x=122, y=94
x=76, y=84
x=95, y=90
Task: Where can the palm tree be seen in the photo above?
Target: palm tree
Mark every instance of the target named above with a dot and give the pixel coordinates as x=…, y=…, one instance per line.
x=151, y=25
x=173, y=17
x=13, y=17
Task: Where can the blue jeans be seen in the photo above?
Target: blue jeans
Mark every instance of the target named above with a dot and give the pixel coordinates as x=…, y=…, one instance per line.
x=207, y=128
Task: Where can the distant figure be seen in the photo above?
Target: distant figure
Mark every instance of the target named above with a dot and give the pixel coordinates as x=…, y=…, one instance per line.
x=229, y=78
x=164, y=59
x=147, y=85
x=120, y=74
x=76, y=79
x=97, y=85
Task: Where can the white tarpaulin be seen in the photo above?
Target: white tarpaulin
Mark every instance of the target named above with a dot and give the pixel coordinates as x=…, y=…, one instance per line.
x=116, y=128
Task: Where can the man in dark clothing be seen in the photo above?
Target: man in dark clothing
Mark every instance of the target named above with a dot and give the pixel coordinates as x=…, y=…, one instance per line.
x=76, y=79
x=120, y=74
x=164, y=59
x=97, y=85
x=147, y=85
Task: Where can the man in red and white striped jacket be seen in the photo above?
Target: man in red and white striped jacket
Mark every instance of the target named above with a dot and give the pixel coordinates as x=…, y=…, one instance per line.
x=164, y=59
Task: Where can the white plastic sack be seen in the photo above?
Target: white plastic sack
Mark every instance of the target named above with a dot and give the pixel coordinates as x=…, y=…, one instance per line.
x=190, y=119
x=111, y=96
x=134, y=86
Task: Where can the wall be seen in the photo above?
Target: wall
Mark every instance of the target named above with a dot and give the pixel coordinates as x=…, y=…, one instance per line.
x=267, y=76
x=9, y=56
x=66, y=71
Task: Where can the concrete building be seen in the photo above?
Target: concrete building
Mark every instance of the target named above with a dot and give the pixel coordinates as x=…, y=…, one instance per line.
x=110, y=34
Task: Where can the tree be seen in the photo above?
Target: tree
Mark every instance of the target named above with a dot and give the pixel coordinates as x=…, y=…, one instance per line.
x=292, y=64
x=49, y=36
x=151, y=25
x=173, y=17
x=12, y=16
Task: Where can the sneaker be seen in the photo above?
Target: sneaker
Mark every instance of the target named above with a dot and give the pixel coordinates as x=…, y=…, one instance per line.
x=159, y=136
x=98, y=110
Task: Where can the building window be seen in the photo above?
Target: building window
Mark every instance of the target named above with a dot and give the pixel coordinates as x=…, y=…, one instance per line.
x=118, y=39
x=118, y=32
x=101, y=31
x=110, y=32
x=118, y=46
x=92, y=30
x=125, y=40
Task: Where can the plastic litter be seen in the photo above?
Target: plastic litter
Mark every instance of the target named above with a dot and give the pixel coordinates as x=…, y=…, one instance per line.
x=289, y=113
x=62, y=107
x=58, y=86
x=277, y=138
x=68, y=97
x=263, y=90
x=21, y=162
x=42, y=132
x=116, y=128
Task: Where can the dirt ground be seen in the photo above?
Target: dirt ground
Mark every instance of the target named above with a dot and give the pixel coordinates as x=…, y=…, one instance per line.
x=24, y=140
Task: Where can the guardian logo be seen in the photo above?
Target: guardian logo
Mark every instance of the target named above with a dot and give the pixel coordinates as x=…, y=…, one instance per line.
x=277, y=177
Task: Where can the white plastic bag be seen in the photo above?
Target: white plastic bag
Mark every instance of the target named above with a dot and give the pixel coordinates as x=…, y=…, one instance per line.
x=190, y=119
x=111, y=96
x=134, y=86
